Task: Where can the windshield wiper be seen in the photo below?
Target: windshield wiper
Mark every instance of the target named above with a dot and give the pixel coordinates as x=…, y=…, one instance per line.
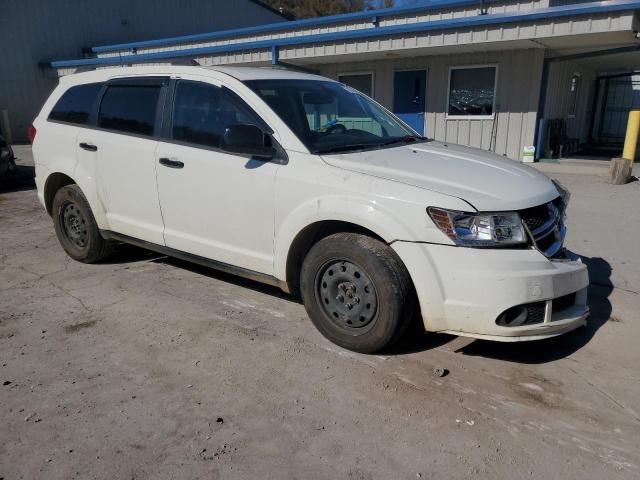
x=405, y=139
x=358, y=146
x=346, y=148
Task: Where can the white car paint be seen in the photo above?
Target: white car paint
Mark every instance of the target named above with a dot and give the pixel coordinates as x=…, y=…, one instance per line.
x=487, y=181
x=220, y=207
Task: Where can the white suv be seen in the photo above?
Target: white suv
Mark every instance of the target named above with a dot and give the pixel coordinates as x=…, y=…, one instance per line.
x=302, y=182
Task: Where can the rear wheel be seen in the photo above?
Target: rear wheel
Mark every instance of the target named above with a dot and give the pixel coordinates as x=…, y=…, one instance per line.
x=357, y=292
x=76, y=227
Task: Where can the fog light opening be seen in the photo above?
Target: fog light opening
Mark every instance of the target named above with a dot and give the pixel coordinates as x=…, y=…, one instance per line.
x=513, y=317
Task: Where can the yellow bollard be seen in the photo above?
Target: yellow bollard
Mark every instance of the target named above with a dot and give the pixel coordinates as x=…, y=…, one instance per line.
x=631, y=138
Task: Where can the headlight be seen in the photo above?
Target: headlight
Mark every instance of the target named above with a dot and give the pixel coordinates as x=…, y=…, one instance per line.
x=479, y=229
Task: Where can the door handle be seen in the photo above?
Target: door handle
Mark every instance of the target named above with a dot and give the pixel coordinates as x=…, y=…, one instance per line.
x=167, y=162
x=89, y=147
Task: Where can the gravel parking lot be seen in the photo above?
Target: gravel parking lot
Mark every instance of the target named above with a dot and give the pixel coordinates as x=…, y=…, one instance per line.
x=148, y=367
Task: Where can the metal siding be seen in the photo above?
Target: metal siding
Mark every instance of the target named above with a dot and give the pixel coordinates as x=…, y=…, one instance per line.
x=443, y=14
x=598, y=23
x=519, y=71
x=63, y=27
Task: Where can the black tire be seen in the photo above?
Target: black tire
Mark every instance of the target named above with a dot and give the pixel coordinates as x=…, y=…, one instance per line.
x=76, y=228
x=346, y=269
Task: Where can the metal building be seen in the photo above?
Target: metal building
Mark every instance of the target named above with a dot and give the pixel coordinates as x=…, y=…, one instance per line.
x=32, y=31
x=502, y=75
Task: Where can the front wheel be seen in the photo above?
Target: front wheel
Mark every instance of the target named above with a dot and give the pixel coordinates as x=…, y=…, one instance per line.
x=357, y=292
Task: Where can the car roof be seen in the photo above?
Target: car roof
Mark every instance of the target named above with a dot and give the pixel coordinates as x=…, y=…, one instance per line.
x=239, y=73
x=265, y=73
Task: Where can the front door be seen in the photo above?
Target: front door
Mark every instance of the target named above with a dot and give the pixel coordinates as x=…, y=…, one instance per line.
x=215, y=204
x=409, y=91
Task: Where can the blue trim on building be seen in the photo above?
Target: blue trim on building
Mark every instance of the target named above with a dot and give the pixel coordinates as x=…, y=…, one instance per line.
x=272, y=27
x=464, y=22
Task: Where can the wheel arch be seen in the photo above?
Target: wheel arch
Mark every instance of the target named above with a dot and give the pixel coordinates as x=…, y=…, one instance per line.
x=55, y=182
x=306, y=238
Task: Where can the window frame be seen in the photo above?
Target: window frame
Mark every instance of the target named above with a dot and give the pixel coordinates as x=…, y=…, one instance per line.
x=96, y=101
x=449, y=116
x=166, y=130
x=160, y=81
x=371, y=73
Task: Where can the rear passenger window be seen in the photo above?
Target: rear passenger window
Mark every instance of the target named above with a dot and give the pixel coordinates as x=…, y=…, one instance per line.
x=75, y=105
x=201, y=113
x=129, y=108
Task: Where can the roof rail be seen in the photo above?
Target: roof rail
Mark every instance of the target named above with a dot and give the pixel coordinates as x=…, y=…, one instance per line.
x=177, y=62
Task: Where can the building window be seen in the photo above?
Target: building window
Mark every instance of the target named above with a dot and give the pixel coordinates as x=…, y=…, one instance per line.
x=574, y=91
x=363, y=82
x=472, y=91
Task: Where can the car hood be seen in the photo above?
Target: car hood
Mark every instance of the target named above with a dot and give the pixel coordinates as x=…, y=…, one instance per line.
x=487, y=181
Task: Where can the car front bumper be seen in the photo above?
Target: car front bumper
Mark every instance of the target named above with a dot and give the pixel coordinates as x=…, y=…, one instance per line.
x=463, y=290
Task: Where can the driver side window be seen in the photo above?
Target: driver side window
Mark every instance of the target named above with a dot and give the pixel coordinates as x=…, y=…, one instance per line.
x=201, y=112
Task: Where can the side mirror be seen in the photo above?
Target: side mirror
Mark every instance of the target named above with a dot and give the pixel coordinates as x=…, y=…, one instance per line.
x=247, y=140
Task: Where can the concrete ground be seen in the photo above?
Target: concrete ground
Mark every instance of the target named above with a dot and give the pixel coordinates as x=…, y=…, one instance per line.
x=147, y=367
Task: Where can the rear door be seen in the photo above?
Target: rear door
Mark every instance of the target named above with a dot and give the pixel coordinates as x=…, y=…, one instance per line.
x=215, y=204
x=123, y=146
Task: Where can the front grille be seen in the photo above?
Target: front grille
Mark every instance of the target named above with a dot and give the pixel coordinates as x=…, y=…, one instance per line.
x=546, y=226
x=535, y=217
x=535, y=313
x=562, y=303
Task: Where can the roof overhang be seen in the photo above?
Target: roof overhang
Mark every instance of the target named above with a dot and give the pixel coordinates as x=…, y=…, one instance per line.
x=594, y=24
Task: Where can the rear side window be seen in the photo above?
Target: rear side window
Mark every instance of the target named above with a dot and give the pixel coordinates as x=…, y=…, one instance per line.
x=76, y=103
x=202, y=112
x=129, y=108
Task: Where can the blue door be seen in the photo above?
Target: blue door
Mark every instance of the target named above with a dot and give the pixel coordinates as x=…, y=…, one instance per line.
x=409, y=90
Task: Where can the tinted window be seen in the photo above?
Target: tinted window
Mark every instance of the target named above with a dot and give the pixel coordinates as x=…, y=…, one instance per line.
x=472, y=91
x=75, y=105
x=130, y=109
x=202, y=112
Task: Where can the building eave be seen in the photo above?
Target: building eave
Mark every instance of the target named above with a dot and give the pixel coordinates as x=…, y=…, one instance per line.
x=365, y=34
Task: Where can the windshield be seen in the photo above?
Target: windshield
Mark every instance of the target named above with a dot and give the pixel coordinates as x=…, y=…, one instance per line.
x=331, y=117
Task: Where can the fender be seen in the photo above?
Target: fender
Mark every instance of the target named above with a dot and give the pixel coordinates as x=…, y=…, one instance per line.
x=363, y=212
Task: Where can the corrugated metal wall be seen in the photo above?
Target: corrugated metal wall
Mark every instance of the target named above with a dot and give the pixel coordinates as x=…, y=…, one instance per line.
x=32, y=31
x=518, y=87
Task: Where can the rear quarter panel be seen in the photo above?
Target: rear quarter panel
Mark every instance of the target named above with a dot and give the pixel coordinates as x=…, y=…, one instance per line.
x=55, y=150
